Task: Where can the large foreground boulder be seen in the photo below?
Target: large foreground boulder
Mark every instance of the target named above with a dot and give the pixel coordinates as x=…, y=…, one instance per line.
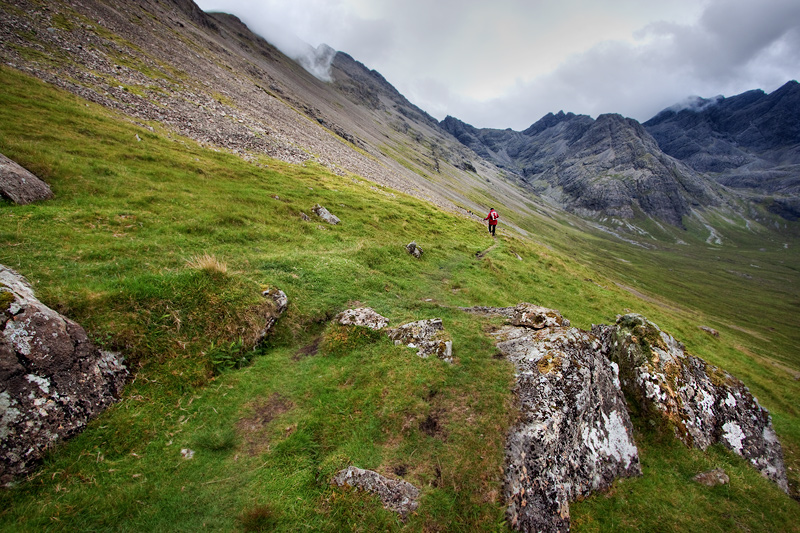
x=19, y=185
x=574, y=435
x=705, y=404
x=52, y=378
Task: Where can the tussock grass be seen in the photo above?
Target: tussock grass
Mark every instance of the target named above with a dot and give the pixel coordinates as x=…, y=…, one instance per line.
x=207, y=263
x=270, y=426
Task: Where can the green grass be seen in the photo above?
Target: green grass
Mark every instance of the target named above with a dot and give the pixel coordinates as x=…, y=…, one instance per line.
x=117, y=250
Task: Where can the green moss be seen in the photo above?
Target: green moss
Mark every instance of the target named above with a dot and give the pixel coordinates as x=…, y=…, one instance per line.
x=6, y=298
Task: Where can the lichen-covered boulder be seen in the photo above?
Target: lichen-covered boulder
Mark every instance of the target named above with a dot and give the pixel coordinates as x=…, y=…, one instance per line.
x=704, y=403
x=426, y=336
x=52, y=378
x=19, y=185
x=537, y=317
x=325, y=215
x=397, y=495
x=362, y=316
x=574, y=435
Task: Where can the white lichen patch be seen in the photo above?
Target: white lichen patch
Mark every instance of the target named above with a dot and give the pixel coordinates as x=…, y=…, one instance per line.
x=730, y=401
x=43, y=383
x=18, y=335
x=734, y=436
x=612, y=441
x=705, y=401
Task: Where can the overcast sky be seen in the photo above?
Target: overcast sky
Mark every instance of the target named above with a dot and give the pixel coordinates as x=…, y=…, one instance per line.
x=507, y=63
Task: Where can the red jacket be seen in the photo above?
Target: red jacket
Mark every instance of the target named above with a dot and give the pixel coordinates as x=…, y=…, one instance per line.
x=492, y=217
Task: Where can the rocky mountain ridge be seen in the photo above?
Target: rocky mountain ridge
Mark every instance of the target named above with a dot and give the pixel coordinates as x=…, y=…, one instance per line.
x=749, y=142
x=609, y=166
x=664, y=168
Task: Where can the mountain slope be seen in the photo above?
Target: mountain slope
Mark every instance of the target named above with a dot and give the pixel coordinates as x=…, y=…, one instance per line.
x=207, y=76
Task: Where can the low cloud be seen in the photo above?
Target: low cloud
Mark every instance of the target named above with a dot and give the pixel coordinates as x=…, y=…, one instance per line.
x=507, y=64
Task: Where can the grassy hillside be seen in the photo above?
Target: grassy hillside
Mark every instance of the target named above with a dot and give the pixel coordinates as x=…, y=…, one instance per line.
x=160, y=249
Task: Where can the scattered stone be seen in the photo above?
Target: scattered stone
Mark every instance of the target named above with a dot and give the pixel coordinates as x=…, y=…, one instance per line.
x=704, y=403
x=53, y=379
x=397, y=495
x=325, y=215
x=362, y=316
x=413, y=249
x=536, y=317
x=19, y=185
x=710, y=331
x=712, y=478
x=427, y=336
x=574, y=435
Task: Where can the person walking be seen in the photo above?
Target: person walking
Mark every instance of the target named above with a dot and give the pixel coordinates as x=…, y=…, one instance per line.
x=492, y=218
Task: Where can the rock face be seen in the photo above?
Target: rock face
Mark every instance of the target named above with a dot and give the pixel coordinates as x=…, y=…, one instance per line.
x=362, y=316
x=325, y=215
x=52, y=378
x=574, y=435
x=749, y=142
x=427, y=336
x=397, y=495
x=19, y=185
x=705, y=404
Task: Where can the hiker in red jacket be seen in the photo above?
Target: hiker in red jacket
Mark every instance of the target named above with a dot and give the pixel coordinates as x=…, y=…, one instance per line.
x=492, y=218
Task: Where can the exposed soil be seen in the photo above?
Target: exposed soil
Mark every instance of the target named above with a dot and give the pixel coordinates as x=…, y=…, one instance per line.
x=253, y=429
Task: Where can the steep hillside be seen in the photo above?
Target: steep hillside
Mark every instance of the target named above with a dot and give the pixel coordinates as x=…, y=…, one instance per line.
x=207, y=76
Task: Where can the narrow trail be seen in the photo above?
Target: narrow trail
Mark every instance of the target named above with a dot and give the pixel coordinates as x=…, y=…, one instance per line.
x=480, y=255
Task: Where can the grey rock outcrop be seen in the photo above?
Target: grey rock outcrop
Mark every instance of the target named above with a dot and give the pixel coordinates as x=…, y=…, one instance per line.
x=426, y=336
x=52, y=378
x=574, y=435
x=362, y=316
x=19, y=185
x=414, y=249
x=325, y=215
x=705, y=404
x=397, y=495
